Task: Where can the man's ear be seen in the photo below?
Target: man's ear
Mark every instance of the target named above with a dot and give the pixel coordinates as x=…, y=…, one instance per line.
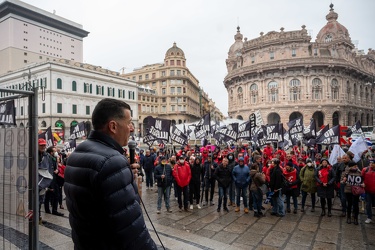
x=112, y=125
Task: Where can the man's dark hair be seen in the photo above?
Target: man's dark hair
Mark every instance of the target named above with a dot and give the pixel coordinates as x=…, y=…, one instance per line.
x=50, y=149
x=106, y=110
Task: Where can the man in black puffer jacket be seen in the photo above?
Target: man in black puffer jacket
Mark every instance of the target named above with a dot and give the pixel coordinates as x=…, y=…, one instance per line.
x=101, y=195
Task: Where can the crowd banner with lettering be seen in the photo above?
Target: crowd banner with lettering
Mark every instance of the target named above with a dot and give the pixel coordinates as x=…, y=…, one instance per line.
x=273, y=132
x=178, y=136
x=203, y=127
x=287, y=143
x=244, y=130
x=309, y=132
x=330, y=136
x=70, y=146
x=7, y=113
x=48, y=136
x=357, y=127
x=296, y=130
x=159, y=128
x=229, y=132
x=259, y=120
x=148, y=139
x=77, y=131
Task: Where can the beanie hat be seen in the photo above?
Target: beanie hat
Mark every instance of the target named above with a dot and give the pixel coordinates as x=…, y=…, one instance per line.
x=308, y=160
x=241, y=159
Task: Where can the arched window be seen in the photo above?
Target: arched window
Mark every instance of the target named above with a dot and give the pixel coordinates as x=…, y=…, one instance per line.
x=239, y=90
x=272, y=92
x=74, y=86
x=335, y=89
x=294, y=90
x=59, y=83
x=43, y=124
x=316, y=89
x=254, y=93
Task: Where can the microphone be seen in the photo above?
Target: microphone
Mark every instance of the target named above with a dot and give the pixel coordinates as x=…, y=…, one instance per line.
x=132, y=145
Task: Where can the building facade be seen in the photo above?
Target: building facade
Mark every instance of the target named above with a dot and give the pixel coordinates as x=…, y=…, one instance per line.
x=170, y=91
x=285, y=75
x=30, y=34
x=71, y=92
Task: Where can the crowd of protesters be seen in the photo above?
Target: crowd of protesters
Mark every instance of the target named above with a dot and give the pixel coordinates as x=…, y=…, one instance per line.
x=253, y=176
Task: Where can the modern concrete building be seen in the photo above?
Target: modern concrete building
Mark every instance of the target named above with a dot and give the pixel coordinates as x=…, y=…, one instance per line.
x=285, y=75
x=169, y=90
x=71, y=92
x=30, y=34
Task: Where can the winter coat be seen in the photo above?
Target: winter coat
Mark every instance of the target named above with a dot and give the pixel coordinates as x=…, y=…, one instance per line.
x=102, y=197
x=368, y=175
x=182, y=174
x=351, y=179
x=276, y=178
x=293, y=180
x=163, y=170
x=327, y=175
x=258, y=179
x=307, y=177
x=196, y=173
x=208, y=171
x=241, y=176
x=223, y=176
x=148, y=162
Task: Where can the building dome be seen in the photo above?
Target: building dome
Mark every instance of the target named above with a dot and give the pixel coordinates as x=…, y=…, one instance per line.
x=175, y=51
x=333, y=31
x=238, y=44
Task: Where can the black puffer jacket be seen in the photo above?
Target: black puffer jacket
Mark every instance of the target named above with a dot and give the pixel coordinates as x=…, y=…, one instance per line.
x=102, y=199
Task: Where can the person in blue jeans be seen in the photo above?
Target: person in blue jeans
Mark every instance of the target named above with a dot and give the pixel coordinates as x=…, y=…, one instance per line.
x=241, y=177
x=163, y=176
x=276, y=186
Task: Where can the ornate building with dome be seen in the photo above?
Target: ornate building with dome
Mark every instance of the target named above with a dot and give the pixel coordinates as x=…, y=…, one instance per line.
x=285, y=75
x=170, y=91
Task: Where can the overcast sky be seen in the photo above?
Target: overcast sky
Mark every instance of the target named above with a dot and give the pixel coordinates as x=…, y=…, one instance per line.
x=133, y=33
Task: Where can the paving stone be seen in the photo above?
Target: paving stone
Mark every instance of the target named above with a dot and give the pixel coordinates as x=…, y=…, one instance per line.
x=307, y=226
x=205, y=233
x=209, y=218
x=225, y=220
x=352, y=234
x=270, y=219
x=332, y=223
x=260, y=228
x=303, y=238
x=276, y=239
x=347, y=244
x=242, y=246
x=165, y=221
x=236, y=228
x=264, y=247
x=318, y=245
x=291, y=217
x=285, y=226
x=327, y=236
x=214, y=227
x=187, y=220
x=250, y=238
x=225, y=237
x=248, y=220
x=310, y=218
x=195, y=226
x=291, y=246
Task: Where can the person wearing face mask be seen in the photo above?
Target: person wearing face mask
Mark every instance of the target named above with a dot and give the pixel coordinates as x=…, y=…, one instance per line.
x=52, y=194
x=352, y=178
x=163, y=176
x=308, y=185
x=325, y=177
x=182, y=175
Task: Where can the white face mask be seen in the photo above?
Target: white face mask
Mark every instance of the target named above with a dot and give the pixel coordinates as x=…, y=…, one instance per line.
x=182, y=161
x=309, y=164
x=56, y=154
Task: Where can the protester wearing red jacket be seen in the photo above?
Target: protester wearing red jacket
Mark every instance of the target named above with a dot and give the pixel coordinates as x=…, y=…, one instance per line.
x=268, y=150
x=368, y=175
x=182, y=175
x=291, y=190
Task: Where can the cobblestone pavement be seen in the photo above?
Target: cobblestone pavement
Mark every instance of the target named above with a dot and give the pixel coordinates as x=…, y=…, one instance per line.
x=208, y=229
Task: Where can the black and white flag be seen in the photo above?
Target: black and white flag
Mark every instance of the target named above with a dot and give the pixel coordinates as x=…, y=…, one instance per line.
x=178, y=136
x=229, y=132
x=203, y=127
x=296, y=130
x=357, y=127
x=273, y=132
x=159, y=128
x=77, y=131
x=148, y=139
x=70, y=146
x=7, y=113
x=244, y=130
x=309, y=132
x=331, y=136
x=47, y=135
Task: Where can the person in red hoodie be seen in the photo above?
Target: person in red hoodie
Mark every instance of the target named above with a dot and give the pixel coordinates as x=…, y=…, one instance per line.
x=368, y=175
x=268, y=150
x=182, y=175
x=291, y=190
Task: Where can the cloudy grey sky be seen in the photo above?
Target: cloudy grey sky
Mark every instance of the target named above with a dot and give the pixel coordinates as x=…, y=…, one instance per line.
x=133, y=33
